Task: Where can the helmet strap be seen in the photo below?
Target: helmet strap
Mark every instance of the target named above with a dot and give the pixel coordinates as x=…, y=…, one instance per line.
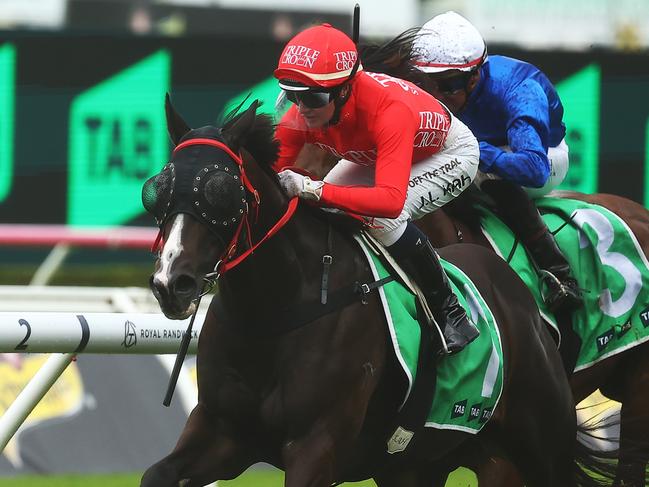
x=339, y=102
x=342, y=99
x=467, y=93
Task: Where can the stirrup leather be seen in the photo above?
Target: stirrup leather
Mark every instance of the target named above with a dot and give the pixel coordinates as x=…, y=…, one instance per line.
x=432, y=322
x=410, y=283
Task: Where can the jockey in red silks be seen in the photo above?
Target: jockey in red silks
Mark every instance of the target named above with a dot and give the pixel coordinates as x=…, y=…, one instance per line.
x=403, y=154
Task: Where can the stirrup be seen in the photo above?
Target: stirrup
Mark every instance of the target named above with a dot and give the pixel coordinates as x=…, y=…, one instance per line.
x=559, y=296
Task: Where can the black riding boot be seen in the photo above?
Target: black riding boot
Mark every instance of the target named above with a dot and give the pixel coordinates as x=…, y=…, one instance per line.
x=520, y=214
x=422, y=263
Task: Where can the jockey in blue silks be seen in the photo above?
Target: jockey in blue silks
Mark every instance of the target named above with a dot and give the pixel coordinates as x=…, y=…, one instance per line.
x=516, y=115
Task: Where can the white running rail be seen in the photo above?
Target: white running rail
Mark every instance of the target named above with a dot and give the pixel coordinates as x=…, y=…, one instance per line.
x=114, y=320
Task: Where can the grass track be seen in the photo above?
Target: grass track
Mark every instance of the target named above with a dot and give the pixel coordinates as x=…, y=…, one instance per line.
x=256, y=478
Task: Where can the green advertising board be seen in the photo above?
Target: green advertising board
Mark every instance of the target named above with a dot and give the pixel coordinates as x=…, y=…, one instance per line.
x=265, y=91
x=7, y=97
x=107, y=129
x=118, y=138
x=580, y=95
x=646, y=165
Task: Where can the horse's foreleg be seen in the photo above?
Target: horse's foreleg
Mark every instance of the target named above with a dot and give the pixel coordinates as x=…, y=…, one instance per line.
x=536, y=425
x=316, y=457
x=309, y=461
x=207, y=450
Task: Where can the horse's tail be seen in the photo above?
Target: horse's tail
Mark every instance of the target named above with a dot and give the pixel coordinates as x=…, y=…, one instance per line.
x=594, y=467
x=394, y=57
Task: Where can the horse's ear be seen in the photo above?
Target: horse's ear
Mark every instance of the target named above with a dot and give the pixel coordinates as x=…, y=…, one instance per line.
x=236, y=131
x=175, y=124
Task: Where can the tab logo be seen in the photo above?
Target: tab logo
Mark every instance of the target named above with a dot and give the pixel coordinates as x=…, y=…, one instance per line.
x=644, y=317
x=604, y=338
x=118, y=138
x=459, y=409
x=486, y=415
x=474, y=412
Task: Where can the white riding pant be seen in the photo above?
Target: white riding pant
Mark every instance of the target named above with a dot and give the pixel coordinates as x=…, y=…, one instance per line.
x=559, y=163
x=433, y=181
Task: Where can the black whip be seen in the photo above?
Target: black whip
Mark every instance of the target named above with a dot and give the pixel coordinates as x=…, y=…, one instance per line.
x=180, y=357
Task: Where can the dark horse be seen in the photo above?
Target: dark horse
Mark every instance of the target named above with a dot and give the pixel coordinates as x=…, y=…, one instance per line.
x=623, y=377
x=319, y=400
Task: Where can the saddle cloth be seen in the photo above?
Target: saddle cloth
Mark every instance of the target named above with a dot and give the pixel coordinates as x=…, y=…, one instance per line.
x=469, y=383
x=607, y=261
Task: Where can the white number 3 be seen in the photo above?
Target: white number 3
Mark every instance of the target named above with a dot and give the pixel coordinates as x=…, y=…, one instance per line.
x=619, y=262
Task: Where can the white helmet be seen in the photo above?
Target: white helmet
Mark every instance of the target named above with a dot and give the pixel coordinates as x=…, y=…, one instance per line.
x=448, y=41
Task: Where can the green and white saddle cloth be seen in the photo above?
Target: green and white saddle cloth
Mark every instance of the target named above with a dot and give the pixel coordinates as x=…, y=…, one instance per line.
x=608, y=263
x=469, y=383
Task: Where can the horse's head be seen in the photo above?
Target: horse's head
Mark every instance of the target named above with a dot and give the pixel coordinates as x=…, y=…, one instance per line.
x=200, y=201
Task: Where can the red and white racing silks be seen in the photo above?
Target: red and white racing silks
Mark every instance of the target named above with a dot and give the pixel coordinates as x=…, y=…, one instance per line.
x=387, y=122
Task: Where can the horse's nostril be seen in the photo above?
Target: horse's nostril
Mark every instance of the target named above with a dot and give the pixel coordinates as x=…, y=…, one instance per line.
x=184, y=285
x=155, y=287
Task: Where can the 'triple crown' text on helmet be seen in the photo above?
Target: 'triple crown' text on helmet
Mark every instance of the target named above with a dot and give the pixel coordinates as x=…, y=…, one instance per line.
x=318, y=57
x=448, y=41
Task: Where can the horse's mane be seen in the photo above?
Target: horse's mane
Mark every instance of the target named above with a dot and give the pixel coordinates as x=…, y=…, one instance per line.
x=260, y=140
x=394, y=57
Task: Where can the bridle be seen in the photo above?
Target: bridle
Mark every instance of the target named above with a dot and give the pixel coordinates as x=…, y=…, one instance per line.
x=229, y=258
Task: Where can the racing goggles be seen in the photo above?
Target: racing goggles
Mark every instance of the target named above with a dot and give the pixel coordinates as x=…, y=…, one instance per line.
x=452, y=84
x=312, y=98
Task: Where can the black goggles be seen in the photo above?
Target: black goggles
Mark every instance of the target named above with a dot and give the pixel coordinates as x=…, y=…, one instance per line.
x=452, y=85
x=310, y=98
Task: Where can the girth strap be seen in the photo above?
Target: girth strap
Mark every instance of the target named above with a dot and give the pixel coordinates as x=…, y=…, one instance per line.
x=310, y=311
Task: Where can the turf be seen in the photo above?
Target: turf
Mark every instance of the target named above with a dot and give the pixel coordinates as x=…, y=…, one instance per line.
x=256, y=478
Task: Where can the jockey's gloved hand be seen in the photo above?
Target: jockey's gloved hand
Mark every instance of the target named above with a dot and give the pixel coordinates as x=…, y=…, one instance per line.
x=298, y=185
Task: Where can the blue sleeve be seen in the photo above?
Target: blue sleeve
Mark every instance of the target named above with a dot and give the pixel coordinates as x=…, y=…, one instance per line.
x=527, y=133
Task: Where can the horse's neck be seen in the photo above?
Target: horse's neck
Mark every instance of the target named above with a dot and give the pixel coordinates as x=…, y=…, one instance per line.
x=281, y=275
x=280, y=269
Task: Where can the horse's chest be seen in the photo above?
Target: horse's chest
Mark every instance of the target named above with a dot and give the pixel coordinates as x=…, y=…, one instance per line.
x=280, y=407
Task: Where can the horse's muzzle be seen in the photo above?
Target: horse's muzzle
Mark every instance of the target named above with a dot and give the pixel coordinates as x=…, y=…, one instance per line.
x=177, y=297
